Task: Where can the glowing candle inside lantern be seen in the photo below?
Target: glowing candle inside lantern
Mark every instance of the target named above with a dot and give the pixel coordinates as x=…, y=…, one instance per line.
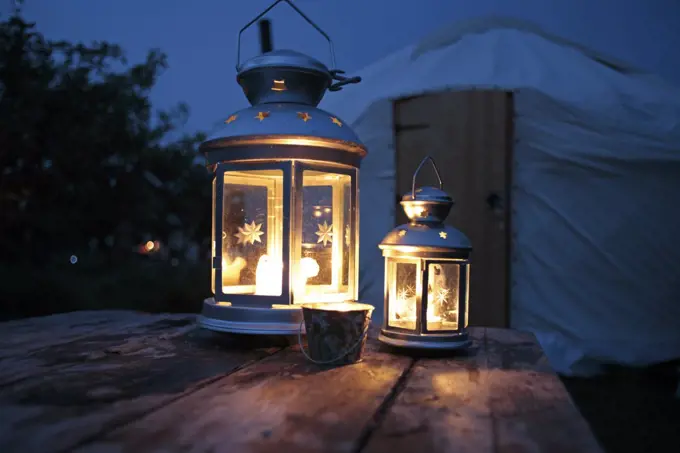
x=309, y=268
x=268, y=276
x=403, y=309
x=269, y=272
x=231, y=271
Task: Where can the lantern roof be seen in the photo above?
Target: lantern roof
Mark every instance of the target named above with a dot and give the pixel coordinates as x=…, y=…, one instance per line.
x=431, y=194
x=427, y=209
x=285, y=123
x=284, y=76
x=284, y=58
x=423, y=236
x=284, y=88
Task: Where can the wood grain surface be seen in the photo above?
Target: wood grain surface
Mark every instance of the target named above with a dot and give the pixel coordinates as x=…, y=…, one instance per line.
x=131, y=382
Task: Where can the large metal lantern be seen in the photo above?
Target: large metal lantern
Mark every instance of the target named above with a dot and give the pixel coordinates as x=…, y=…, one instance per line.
x=427, y=274
x=285, y=197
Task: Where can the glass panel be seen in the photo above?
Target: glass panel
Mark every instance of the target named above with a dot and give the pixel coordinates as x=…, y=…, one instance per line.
x=466, y=268
x=323, y=270
x=213, y=237
x=252, y=232
x=402, y=295
x=442, y=296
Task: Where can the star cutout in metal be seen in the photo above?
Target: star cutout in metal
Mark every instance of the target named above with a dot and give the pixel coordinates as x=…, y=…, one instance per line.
x=304, y=116
x=402, y=233
x=442, y=234
x=231, y=119
x=249, y=233
x=325, y=233
x=336, y=121
x=262, y=115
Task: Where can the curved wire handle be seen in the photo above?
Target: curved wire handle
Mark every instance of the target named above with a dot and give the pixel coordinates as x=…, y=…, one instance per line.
x=415, y=175
x=309, y=21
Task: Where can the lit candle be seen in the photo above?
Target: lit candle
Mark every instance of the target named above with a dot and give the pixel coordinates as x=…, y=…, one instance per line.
x=231, y=271
x=268, y=275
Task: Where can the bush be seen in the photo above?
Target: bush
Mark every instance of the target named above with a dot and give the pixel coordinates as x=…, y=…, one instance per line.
x=145, y=285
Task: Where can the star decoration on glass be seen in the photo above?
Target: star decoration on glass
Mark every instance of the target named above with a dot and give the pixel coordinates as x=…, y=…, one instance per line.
x=406, y=292
x=325, y=233
x=262, y=115
x=304, y=116
x=336, y=121
x=441, y=295
x=442, y=234
x=249, y=233
x=231, y=119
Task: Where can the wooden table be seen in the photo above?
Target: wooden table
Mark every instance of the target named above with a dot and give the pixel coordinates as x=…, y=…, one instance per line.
x=117, y=381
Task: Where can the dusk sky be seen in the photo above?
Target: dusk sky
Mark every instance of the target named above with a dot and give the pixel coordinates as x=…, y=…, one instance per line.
x=199, y=36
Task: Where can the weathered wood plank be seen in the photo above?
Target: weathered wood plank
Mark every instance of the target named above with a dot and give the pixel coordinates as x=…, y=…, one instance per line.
x=106, y=381
x=503, y=397
x=531, y=408
x=442, y=408
x=282, y=403
x=79, y=337
x=21, y=337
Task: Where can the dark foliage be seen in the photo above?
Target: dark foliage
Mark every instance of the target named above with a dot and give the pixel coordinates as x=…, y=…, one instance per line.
x=87, y=169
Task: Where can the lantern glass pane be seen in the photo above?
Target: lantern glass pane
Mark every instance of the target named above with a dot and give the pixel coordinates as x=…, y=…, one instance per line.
x=323, y=272
x=213, y=248
x=466, y=268
x=252, y=232
x=403, y=292
x=442, y=296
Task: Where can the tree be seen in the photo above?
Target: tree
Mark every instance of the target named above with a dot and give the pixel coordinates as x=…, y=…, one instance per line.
x=87, y=168
x=82, y=156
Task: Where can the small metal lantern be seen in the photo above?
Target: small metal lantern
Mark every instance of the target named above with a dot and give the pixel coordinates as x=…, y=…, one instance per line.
x=427, y=274
x=285, y=197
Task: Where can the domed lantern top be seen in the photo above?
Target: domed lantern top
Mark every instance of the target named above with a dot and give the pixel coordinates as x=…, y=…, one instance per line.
x=284, y=76
x=284, y=88
x=426, y=234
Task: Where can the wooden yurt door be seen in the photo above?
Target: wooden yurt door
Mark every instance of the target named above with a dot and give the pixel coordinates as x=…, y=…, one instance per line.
x=469, y=135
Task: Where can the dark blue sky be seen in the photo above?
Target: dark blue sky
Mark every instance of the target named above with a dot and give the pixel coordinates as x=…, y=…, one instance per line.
x=199, y=36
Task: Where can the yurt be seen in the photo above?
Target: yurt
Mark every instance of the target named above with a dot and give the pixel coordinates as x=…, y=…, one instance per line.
x=565, y=169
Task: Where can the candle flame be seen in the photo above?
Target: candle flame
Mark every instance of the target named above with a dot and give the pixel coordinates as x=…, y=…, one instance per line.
x=268, y=275
x=404, y=309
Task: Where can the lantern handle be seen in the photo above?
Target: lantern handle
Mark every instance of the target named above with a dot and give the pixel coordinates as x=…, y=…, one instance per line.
x=309, y=21
x=415, y=175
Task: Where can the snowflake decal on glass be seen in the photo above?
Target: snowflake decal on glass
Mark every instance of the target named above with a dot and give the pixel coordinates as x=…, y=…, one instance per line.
x=441, y=295
x=249, y=233
x=325, y=233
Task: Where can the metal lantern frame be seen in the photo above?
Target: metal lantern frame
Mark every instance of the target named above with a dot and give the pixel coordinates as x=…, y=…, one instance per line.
x=426, y=242
x=284, y=132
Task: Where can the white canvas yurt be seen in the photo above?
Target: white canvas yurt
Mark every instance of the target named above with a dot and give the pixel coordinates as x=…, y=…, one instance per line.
x=565, y=167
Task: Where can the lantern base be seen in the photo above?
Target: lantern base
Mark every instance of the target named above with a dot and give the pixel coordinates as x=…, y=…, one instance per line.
x=415, y=341
x=250, y=320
